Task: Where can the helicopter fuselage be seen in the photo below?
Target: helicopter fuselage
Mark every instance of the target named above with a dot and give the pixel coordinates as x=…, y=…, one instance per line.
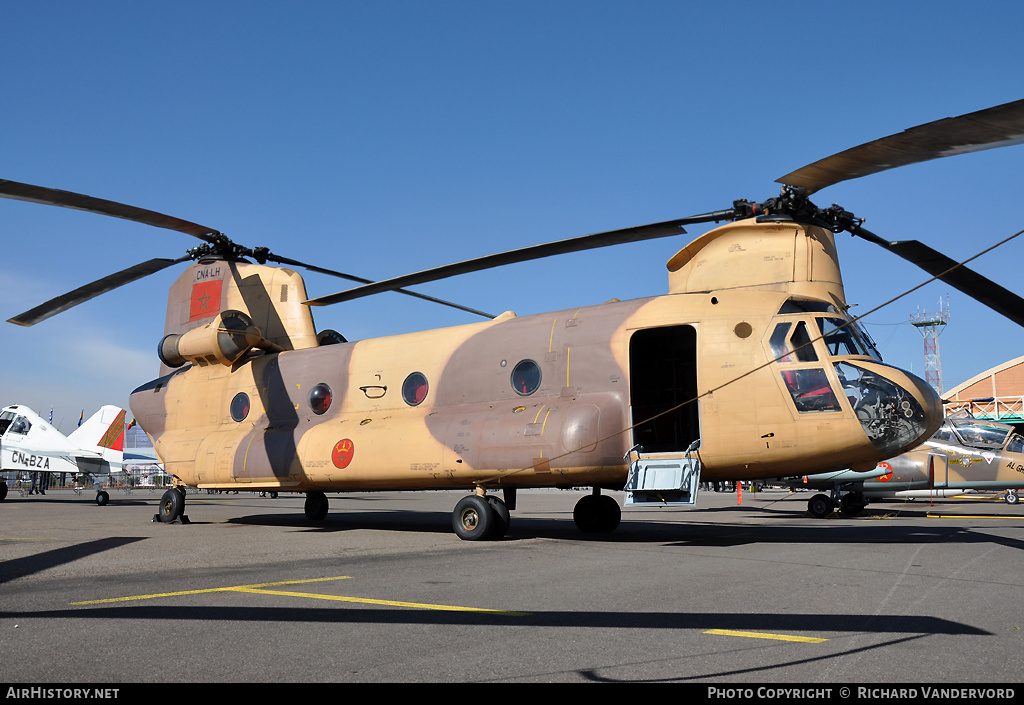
x=547, y=400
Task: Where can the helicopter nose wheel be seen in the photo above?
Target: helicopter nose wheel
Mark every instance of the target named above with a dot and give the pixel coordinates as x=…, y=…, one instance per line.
x=820, y=506
x=479, y=518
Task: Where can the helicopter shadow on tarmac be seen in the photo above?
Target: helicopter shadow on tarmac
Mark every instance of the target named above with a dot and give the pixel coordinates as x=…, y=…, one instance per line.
x=872, y=528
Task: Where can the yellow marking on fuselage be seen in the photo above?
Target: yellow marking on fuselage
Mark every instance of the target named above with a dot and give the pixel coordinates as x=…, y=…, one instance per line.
x=544, y=425
x=763, y=635
x=551, y=338
x=261, y=589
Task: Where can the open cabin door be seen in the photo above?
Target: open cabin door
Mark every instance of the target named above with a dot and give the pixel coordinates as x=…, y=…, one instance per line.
x=664, y=468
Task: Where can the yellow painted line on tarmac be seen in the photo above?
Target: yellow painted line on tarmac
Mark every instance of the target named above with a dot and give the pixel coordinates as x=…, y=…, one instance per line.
x=237, y=588
x=971, y=516
x=262, y=589
x=763, y=635
x=390, y=603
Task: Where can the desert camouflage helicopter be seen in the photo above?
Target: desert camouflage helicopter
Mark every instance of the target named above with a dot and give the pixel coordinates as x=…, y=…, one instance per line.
x=749, y=367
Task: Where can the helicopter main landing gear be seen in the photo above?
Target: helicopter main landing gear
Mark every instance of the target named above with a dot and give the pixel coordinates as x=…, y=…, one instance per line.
x=316, y=505
x=850, y=504
x=172, y=507
x=480, y=517
x=597, y=513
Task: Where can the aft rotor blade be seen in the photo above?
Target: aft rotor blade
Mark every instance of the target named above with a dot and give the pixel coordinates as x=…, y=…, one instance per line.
x=67, y=199
x=89, y=291
x=978, y=287
x=361, y=280
x=578, y=244
x=1000, y=126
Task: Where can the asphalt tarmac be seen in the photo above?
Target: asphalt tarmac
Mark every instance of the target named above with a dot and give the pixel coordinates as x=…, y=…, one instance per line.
x=754, y=592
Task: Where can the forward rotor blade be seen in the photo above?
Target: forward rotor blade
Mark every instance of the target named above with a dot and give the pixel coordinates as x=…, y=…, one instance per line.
x=1000, y=126
x=361, y=280
x=67, y=199
x=978, y=287
x=578, y=244
x=89, y=291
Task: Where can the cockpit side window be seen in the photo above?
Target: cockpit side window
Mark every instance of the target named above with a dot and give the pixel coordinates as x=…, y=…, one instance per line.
x=802, y=344
x=794, y=348
x=1015, y=444
x=810, y=390
x=944, y=434
x=780, y=350
x=5, y=420
x=791, y=345
x=20, y=425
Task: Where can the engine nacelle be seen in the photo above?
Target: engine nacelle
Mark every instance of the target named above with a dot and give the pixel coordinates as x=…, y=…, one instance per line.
x=225, y=339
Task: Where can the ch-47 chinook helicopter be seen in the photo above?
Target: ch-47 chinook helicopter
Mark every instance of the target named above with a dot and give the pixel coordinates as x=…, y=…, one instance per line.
x=749, y=367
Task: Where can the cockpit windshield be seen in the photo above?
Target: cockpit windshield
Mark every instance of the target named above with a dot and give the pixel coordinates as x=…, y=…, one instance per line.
x=16, y=424
x=842, y=335
x=845, y=337
x=981, y=434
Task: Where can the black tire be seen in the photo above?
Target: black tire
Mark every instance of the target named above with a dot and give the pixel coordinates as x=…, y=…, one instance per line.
x=102, y=498
x=3, y=491
x=596, y=513
x=1011, y=497
x=611, y=513
x=501, y=517
x=473, y=518
x=852, y=504
x=585, y=514
x=172, y=505
x=820, y=506
x=316, y=506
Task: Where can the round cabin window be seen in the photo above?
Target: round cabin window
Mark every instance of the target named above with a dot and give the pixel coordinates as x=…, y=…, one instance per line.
x=240, y=406
x=320, y=398
x=414, y=389
x=526, y=377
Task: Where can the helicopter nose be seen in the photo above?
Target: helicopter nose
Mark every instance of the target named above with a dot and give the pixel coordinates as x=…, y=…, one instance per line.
x=896, y=409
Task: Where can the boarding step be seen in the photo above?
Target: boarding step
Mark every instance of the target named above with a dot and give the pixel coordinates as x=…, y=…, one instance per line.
x=663, y=480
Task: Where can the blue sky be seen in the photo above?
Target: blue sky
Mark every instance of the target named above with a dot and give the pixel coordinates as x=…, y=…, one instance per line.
x=383, y=137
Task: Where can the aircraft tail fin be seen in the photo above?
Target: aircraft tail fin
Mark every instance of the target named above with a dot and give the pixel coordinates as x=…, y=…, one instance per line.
x=102, y=433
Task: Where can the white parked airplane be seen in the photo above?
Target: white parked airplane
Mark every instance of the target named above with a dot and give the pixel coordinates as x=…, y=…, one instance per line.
x=28, y=443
